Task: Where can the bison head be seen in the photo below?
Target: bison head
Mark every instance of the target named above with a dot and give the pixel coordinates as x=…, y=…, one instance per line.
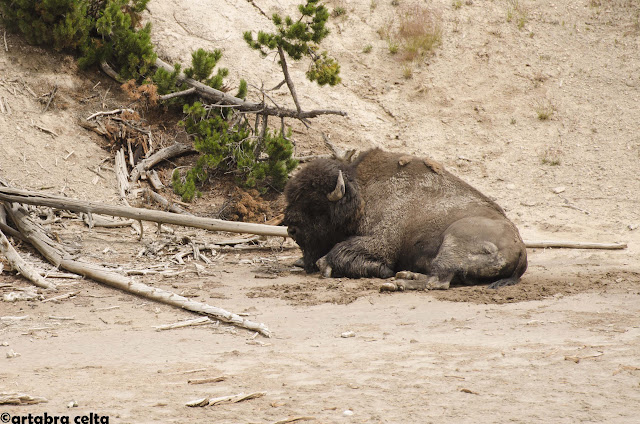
x=323, y=208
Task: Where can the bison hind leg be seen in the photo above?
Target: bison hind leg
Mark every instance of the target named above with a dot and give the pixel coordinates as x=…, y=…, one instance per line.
x=504, y=283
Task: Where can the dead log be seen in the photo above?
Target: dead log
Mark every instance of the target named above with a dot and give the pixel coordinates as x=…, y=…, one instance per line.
x=172, y=151
x=55, y=254
x=8, y=194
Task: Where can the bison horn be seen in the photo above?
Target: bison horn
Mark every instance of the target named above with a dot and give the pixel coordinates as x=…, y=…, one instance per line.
x=338, y=192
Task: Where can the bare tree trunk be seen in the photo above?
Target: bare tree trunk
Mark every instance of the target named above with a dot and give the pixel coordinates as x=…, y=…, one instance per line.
x=139, y=214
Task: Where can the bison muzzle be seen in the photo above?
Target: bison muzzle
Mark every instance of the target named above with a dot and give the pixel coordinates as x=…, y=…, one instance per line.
x=390, y=214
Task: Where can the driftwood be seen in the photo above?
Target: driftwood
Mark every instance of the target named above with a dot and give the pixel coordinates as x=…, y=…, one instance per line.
x=225, y=399
x=574, y=245
x=172, y=151
x=55, y=254
x=21, y=266
x=7, y=398
x=138, y=214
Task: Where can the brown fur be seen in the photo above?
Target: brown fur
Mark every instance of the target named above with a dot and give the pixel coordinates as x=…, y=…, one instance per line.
x=400, y=215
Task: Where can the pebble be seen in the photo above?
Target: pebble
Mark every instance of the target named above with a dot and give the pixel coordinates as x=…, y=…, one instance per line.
x=559, y=190
x=348, y=334
x=633, y=227
x=348, y=413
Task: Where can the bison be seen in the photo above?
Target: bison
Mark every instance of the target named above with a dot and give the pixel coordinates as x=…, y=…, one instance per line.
x=390, y=214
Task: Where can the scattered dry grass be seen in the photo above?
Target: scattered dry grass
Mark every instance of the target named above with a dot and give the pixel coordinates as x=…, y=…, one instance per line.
x=414, y=32
x=552, y=156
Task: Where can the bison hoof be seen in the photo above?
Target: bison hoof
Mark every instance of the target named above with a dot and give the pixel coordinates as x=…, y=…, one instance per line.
x=407, y=275
x=299, y=263
x=392, y=286
x=324, y=267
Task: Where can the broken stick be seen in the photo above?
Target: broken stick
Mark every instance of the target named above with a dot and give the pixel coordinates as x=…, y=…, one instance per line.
x=574, y=245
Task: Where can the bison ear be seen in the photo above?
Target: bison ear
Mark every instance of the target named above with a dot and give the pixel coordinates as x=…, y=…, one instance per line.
x=338, y=192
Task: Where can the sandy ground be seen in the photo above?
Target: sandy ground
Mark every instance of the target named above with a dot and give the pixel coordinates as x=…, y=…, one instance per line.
x=561, y=347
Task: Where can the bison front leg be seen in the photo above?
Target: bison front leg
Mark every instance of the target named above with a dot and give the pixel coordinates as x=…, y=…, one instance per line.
x=356, y=257
x=407, y=280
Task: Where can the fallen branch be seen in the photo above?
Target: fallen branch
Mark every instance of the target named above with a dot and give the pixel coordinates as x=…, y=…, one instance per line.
x=7, y=398
x=55, y=254
x=172, y=151
x=207, y=380
x=294, y=419
x=62, y=296
x=186, y=92
x=16, y=261
x=172, y=207
x=223, y=98
x=574, y=245
x=225, y=399
x=111, y=112
x=122, y=175
x=154, y=180
x=8, y=194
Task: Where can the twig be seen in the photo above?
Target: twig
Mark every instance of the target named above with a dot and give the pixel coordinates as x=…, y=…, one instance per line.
x=294, y=419
x=46, y=130
x=253, y=3
x=287, y=78
x=16, y=261
x=62, y=296
x=186, y=92
x=111, y=112
x=51, y=95
x=187, y=323
x=6, y=48
x=225, y=399
x=207, y=380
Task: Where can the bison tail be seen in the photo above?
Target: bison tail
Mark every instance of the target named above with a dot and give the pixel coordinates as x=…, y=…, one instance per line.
x=521, y=267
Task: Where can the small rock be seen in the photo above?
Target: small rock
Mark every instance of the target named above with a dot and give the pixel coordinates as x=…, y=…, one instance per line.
x=559, y=190
x=348, y=413
x=4, y=343
x=348, y=334
x=633, y=227
x=72, y=404
x=511, y=186
x=12, y=354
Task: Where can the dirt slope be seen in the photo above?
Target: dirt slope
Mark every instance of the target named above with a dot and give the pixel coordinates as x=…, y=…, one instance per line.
x=561, y=347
